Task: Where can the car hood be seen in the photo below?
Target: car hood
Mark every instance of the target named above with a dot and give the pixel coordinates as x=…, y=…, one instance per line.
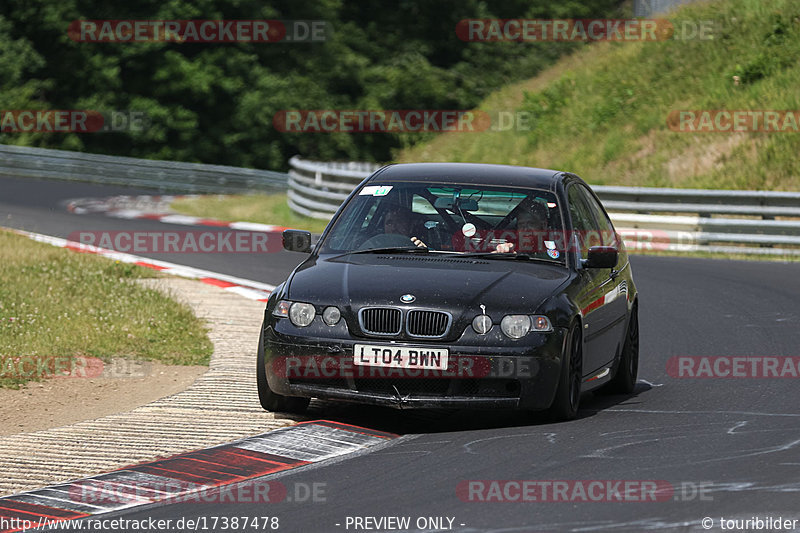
x=459, y=286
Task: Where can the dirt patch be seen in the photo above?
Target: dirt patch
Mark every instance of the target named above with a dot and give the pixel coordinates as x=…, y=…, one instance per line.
x=60, y=402
x=702, y=158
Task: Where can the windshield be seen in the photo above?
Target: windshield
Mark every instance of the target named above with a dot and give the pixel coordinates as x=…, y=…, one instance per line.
x=449, y=218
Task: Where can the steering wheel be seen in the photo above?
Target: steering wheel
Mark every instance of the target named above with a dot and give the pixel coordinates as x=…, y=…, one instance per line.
x=386, y=240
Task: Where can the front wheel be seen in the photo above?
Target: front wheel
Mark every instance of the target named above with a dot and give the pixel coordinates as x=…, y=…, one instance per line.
x=272, y=401
x=568, y=394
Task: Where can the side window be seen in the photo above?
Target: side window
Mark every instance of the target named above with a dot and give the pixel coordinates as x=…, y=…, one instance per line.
x=582, y=221
x=353, y=225
x=607, y=235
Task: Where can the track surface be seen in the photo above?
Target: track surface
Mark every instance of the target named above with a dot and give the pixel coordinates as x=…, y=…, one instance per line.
x=736, y=440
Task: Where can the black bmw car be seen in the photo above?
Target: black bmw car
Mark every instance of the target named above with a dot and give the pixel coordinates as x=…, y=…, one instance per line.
x=455, y=285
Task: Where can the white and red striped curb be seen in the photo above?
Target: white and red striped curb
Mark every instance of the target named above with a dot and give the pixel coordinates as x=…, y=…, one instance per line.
x=253, y=290
x=127, y=207
x=205, y=473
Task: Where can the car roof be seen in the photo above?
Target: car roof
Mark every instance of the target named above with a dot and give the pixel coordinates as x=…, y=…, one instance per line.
x=471, y=173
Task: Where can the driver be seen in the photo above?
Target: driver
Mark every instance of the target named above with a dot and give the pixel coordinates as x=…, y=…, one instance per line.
x=399, y=220
x=531, y=219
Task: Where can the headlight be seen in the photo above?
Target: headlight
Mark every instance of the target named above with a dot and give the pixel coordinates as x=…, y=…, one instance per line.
x=301, y=315
x=482, y=324
x=516, y=326
x=331, y=315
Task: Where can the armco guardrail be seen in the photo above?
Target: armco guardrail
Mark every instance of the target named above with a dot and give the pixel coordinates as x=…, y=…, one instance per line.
x=648, y=218
x=317, y=189
x=168, y=176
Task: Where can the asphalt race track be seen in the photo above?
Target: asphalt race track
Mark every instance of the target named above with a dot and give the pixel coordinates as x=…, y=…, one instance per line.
x=728, y=448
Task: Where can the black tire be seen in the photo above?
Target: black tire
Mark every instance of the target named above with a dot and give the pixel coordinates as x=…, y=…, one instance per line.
x=568, y=395
x=624, y=379
x=272, y=401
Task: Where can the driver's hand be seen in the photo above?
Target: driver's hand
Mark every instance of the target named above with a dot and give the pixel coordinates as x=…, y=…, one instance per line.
x=418, y=243
x=504, y=248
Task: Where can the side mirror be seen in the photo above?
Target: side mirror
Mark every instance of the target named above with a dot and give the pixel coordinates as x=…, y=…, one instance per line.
x=296, y=240
x=602, y=257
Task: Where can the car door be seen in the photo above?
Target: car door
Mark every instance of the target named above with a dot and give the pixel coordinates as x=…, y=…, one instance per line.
x=597, y=285
x=614, y=286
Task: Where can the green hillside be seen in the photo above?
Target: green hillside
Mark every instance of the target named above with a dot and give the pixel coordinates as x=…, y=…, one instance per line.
x=602, y=112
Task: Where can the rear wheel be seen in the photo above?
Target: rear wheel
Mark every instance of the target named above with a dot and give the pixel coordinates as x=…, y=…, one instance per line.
x=624, y=380
x=568, y=394
x=272, y=401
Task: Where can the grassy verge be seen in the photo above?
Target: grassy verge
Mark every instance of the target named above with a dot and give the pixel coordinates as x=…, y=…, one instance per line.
x=262, y=208
x=602, y=112
x=57, y=305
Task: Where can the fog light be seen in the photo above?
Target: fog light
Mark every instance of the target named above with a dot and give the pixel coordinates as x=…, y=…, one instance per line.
x=301, y=315
x=516, y=326
x=331, y=315
x=482, y=324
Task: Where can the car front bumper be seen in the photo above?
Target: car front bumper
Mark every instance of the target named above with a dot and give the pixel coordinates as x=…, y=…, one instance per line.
x=519, y=374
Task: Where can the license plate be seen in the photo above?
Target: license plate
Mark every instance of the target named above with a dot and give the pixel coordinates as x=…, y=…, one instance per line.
x=400, y=357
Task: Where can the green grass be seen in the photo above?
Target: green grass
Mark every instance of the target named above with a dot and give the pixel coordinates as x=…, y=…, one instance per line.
x=265, y=209
x=602, y=112
x=57, y=305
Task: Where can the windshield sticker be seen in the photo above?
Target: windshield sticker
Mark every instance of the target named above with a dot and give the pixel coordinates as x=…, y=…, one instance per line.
x=553, y=253
x=375, y=190
x=551, y=245
x=468, y=229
